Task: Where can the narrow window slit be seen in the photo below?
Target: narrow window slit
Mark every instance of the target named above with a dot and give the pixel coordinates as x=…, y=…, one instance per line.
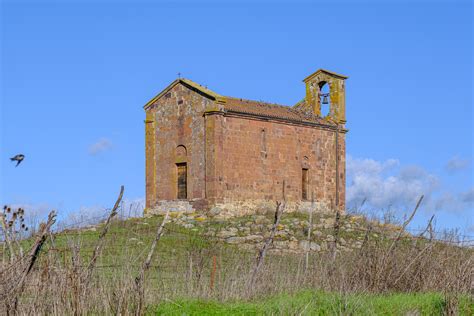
x=304, y=188
x=263, y=145
x=182, y=181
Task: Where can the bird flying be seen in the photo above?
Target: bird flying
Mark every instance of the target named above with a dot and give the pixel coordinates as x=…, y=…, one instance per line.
x=18, y=158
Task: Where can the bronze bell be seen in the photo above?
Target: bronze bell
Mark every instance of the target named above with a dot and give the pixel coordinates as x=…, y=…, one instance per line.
x=325, y=99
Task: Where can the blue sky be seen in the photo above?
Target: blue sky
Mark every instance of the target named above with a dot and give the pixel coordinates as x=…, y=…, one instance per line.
x=75, y=75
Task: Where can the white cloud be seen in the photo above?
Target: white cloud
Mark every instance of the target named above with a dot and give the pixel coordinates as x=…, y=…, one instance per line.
x=369, y=166
x=103, y=144
x=468, y=196
x=383, y=184
x=453, y=201
x=457, y=164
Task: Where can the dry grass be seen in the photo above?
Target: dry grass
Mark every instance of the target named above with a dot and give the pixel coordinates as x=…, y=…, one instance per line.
x=114, y=271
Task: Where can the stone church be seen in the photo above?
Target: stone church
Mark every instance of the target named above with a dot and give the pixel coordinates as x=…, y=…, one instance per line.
x=230, y=155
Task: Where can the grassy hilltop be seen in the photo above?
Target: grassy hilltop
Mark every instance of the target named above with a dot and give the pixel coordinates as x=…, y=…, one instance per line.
x=202, y=266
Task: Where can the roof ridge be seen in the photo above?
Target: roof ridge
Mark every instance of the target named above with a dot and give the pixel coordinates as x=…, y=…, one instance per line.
x=258, y=101
x=265, y=109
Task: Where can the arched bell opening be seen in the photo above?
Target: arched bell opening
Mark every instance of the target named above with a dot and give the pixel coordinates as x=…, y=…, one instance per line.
x=324, y=98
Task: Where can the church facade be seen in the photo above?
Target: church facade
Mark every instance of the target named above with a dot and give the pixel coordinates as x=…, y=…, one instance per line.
x=206, y=151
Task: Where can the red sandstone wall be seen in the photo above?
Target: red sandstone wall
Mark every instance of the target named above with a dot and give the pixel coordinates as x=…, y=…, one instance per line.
x=253, y=157
x=342, y=171
x=178, y=118
x=232, y=159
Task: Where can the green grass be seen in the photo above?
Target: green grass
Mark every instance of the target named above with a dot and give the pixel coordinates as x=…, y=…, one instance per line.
x=128, y=242
x=318, y=303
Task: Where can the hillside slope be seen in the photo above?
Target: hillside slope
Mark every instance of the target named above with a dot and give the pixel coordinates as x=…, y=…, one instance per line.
x=207, y=259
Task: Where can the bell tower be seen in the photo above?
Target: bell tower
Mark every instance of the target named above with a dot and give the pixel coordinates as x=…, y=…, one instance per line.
x=335, y=98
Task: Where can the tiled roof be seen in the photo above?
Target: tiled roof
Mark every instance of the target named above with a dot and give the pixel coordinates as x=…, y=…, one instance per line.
x=271, y=110
x=298, y=113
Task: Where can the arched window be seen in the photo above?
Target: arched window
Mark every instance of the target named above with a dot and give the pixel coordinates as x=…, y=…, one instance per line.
x=181, y=152
x=324, y=98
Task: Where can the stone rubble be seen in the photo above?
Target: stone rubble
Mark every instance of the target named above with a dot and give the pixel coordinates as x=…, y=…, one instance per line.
x=250, y=232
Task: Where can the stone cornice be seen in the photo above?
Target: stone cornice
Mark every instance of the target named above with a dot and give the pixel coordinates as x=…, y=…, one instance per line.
x=275, y=119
